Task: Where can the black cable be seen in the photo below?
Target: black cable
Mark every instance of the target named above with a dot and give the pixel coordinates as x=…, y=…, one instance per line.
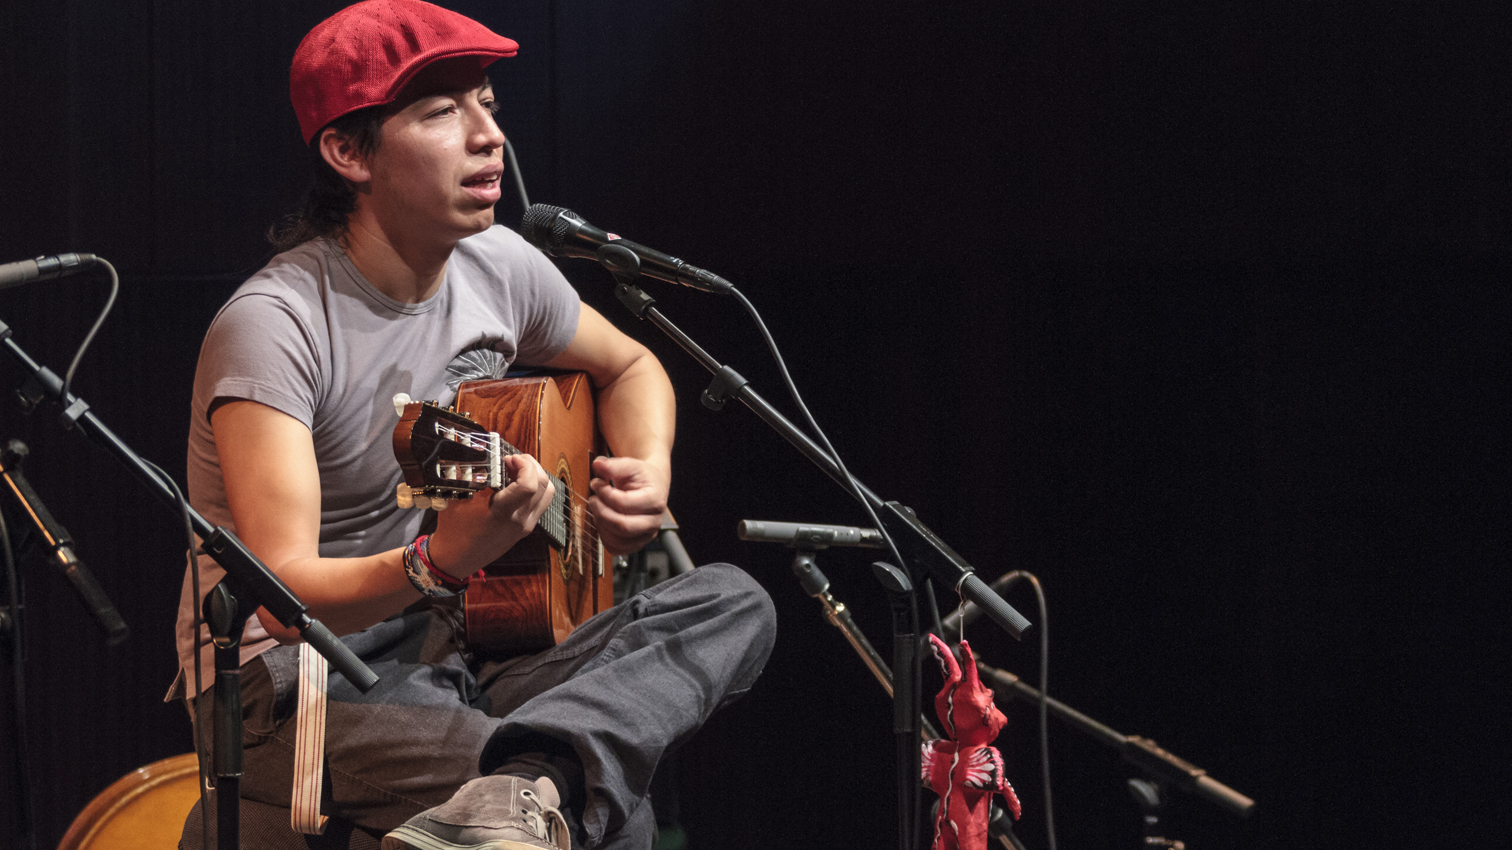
x=854, y=488
x=191, y=699
x=850, y=483
x=935, y=625
x=18, y=661
x=1002, y=585
x=115, y=286
x=514, y=168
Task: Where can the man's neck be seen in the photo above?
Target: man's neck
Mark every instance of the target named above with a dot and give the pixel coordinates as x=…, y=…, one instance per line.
x=405, y=267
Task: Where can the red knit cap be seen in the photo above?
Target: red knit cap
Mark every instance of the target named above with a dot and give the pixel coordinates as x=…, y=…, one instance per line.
x=363, y=55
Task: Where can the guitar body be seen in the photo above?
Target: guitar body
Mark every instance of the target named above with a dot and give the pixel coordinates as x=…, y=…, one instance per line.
x=538, y=592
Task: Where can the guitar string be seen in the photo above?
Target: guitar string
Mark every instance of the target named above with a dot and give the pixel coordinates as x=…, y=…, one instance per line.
x=505, y=447
x=586, y=521
x=479, y=442
x=584, y=528
x=585, y=525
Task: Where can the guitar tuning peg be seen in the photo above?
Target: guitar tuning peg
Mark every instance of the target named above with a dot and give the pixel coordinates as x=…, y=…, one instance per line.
x=404, y=496
x=438, y=504
x=401, y=401
x=421, y=502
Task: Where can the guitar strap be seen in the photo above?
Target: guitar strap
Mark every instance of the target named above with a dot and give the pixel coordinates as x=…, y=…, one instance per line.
x=309, y=742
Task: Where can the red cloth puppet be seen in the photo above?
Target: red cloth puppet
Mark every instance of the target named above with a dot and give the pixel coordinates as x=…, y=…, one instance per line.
x=965, y=771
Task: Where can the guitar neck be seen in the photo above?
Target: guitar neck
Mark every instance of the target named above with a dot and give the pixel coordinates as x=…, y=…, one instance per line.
x=554, y=520
x=460, y=457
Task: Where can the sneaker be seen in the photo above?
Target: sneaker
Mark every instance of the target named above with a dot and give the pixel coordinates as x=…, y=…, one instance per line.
x=491, y=813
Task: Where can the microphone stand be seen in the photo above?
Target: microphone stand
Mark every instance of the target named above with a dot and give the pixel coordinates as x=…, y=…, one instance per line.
x=1143, y=753
x=248, y=585
x=816, y=584
x=924, y=549
x=907, y=696
x=59, y=545
x=921, y=545
x=12, y=640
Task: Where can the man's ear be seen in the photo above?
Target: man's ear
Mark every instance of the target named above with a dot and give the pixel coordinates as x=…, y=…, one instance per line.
x=337, y=149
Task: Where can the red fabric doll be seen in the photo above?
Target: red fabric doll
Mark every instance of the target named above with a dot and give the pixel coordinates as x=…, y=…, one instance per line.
x=965, y=771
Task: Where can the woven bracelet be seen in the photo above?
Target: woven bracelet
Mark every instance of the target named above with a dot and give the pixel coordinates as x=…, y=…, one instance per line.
x=455, y=585
x=421, y=574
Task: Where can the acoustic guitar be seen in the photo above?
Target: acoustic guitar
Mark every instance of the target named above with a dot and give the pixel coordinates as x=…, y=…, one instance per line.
x=557, y=577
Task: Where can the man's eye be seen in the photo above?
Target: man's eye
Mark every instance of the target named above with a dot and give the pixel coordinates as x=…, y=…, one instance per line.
x=492, y=106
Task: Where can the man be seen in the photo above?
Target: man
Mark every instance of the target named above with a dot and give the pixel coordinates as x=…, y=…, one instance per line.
x=399, y=277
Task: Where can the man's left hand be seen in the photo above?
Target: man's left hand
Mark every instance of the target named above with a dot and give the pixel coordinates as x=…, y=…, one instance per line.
x=629, y=498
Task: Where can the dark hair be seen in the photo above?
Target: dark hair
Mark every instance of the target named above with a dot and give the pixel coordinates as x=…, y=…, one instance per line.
x=331, y=198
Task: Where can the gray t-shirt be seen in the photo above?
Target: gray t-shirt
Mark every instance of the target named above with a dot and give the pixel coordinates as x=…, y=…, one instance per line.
x=310, y=336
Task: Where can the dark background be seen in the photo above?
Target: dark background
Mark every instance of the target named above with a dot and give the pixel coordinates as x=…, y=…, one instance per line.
x=1197, y=310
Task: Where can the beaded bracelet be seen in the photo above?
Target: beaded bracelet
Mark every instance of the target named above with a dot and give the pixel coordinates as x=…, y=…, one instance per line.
x=424, y=575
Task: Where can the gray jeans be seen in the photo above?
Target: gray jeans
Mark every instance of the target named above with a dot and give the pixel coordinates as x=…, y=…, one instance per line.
x=624, y=688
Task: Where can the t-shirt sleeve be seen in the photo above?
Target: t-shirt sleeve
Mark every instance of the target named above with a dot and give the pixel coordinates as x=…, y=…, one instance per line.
x=259, y=348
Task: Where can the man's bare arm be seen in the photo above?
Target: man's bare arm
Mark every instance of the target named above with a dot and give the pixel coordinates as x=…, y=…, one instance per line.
x=273, y=489
x=637, y=414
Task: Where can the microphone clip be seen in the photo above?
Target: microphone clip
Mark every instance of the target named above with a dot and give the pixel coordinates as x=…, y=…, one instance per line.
x=625, y=266
x=621, y=262
x=726, y=383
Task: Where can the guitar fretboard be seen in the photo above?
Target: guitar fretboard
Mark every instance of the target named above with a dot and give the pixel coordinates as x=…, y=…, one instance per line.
x=554, y=521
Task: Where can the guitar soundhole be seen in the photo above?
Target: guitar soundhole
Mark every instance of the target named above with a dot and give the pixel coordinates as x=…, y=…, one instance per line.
x=569, y=515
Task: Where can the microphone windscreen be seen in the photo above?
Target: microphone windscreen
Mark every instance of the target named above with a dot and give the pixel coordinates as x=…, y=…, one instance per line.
x=545, y=227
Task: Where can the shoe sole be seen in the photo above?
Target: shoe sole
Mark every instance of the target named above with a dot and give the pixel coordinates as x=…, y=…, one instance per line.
x=409, y=838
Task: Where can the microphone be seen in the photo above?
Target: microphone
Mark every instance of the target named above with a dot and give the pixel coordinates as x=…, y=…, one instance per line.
x=563, y=233
x=60, y=546
x=808, y=535
x=969, y=613
x=43, y=268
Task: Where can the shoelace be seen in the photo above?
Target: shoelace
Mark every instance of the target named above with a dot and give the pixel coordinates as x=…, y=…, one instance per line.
x=552, y=827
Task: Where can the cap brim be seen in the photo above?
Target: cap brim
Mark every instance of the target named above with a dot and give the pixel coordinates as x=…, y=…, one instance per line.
x=488, y=55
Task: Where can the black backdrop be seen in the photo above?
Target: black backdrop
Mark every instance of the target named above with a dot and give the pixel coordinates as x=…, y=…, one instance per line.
x=1196, y=310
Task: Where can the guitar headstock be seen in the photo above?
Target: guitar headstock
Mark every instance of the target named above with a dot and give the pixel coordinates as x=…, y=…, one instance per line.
x=444, y=455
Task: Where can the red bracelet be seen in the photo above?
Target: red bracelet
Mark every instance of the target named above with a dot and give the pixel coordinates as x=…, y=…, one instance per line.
x=422, y=548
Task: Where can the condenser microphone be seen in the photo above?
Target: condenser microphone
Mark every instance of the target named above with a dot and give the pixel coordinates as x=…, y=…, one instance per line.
x=563, y=233
x=809, y=535
x=59, y=544
x=43, y=268
x=970, y=612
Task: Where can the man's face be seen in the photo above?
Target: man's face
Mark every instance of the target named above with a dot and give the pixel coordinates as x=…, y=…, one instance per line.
x=436, y=172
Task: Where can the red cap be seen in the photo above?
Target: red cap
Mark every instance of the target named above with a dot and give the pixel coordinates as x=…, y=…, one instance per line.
x=363, y=55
